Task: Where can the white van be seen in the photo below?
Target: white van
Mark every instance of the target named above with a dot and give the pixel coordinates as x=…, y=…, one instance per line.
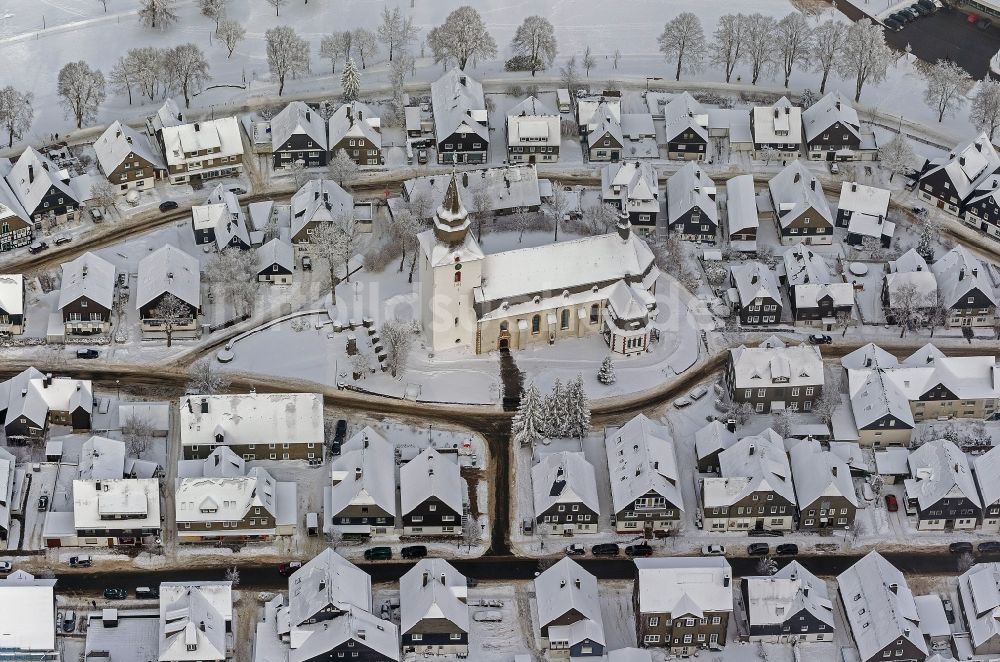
x=563, y=100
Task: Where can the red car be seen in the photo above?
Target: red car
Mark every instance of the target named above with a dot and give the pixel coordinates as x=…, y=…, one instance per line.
x=890, y=503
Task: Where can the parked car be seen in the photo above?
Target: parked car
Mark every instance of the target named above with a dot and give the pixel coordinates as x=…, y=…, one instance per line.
x=6, y=566
x=288, y=568
x=68, y=621
x=62, y=239
x=37, y=247
x=960, y=548
x=413, y=552
x=43, y=503
x=237, y=190
x=576, y=549
x=146, y=592
x=918, y=210
x=307, y=263
x=890, y=503
x=82, y=561
x=698, y=392
x=605, y=549
x=787, y=549
x=820, y=339
x=929, y=5
x=115, y=593
x=834, y=168
x=713, y=550
x=680, y=403
x=642, y=549
x=86, y=354
x=168, y=205
x=892, y=24
x=378, y=554
x=920, y=9
x=488, y=616
x=989, y=547
x=422, y=156
x=758, y=549
x=949, y=610
x=901, y=17
x=96, y=215
x=909, y=12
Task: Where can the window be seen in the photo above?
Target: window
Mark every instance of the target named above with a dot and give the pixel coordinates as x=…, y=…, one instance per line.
x=536, y=324
x=654, y=621
x=417, y=636
x=458, y=276
x=456, y=636
x=716, y=620
x=594, y=313
x=564, y=322
x=651, y=639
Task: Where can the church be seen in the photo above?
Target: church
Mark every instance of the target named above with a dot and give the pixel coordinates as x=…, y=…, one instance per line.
x=530, y=296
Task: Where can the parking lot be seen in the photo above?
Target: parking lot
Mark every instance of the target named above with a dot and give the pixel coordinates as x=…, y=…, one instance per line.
x=948, y=35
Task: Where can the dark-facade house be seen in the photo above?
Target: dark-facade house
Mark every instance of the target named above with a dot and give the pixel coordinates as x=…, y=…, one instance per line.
x=87, y=295
x=775, y=378
x=686, y=128
x=790, y=606
x=966, y=172
x=430, y=489
x=941, y=489
x=30, y=401
x=823, y=488
x=356, y=130
x=800, y=206
x=42, y=189
x=12, y=314
x=434, y=611
x=564, y=488
x=633, y=188
x=692, y=211
x=128, y=159
x=319, y=201
x=833, y=131
x=461, y=125
x=569, y=611
x=169, y=275
x=362, y=496
x=16, y=226
x=754, y=294
x=298, y=135
x=965, y=289
x=533, y=133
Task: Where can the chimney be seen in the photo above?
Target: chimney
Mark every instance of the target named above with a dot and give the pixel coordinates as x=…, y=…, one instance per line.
x=366, y=441
x=118, y=133
x=753, y=279
x=576, y=582
x=322, y=584
x=961, y=160
x=425, y=578
x=308, y=115
x=204, y=405
x=315, y=195
x=656, y=465
x=461, y=81
x=837, y=105
x=731, y=424
x=31, y=173
x=217, y=458
x=562, y=583
x=805, y=591
x=443, y=582
x=979, y=146
x=961, y=273
x=796, y=178
x=47, y=382
x=752, y=449
x=880, y=219
x=202, y=625
x=854, y=187
x=357, y=473
x=197, y=126
x=24, y=392
x=975, y=272
x=361, y=635
x=833, y=470
x=812, y=184
x=190, y=407
x=777, y=113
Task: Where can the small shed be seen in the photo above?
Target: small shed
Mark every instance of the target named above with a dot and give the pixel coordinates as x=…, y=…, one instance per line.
x=53, y=451
x=892, y=464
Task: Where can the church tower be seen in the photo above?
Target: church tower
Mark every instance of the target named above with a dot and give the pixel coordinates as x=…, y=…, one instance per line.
x=450, y=270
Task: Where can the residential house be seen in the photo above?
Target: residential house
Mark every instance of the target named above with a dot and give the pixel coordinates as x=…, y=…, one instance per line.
x=128, y=159
x=16, y=226
x=102, y=458
x=168, y=271
x=31, y=401
x=357, y=635
x=8, y=464
x=434, y=611
x=775, y=378
x=510, y=189
x=639, y=134
x=966, y=289
x=777, y=130
x=108, y=512
x=754, y=489
x=319, y=201
x=357, y=130
x=816, y=298
x=790, y=606
x=634, y=189
x=12, y=315
x=683, y=603
x=533, y=133
x=711, y=440
x=87, y=295
x=605, y=139
x=589, y=107
x=864, y=211
x=461, y=125
x=908, y=278
x=823, y=487
x=949, y=182
x=569, y=611
x=645, y=478
x=196, y=621
x=216, y=499
x=255, y=426
x=220, y=221
x=276, y=262
x=754, y=294
x=741, y=214
x=28, y=608
x=833, y=131
x=934, y=623
x=941, y=489
x=686, y=128
x=565, y=494
x=324, y=588
x=881, y=611
x=987, y=472
x=204, y=149
x=298, y=135
x=982, y=209
x=979, y=602
x=431, y=495
x=800, y=206
x=42, y=190
x=691, y=206
x=362, y=497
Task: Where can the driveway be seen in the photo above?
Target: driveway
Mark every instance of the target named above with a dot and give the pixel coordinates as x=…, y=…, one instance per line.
x=949, y=35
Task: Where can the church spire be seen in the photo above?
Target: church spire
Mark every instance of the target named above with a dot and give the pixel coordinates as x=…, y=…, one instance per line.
x=451, y=220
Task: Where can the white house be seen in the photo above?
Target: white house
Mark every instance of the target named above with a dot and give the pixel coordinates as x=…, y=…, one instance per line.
x=196, y=621
x=205, y=149
x=533, y=133
x=778, y=129
x=28, y=617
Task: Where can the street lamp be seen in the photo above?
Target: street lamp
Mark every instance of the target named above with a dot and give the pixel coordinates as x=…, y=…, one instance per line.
x=118, y=388
x=649, y=78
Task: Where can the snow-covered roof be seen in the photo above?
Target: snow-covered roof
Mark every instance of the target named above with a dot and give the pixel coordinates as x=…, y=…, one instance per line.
x=809, y=296
x=774, y=599
x=682, y=586
x=629, y=655
x=604, y=122
x=753, y=464
x=101, y=458
x=363, y=474
x=276, y=252
x=631, y=303
x=31, y=177
x=220, y=463
x=205, y=139
x=193, y=618
x=959, y=272
x=795, y=190
x=864, y=199
x=101, y=504
x=168, y=270
x=565, y=587
x=874, y=395
x=10, y=207
x=987, y=470
x=642, y=459
x=357, y=626
x=564, y=477
x=879, y=606
x=633, y=186
x=169, y=114
x=796, y=365
x=712, y=438
x=157, y=414
x=967, y=166
x=636, y=126
x=803, y=265
x=355, y=120
x=826, y=112
x=118, y=141
x=222, y=213
x=691, y=186
x=979, y=591
x=754, y=280
x=251, y=418
x=734, y=121
x=213, y=499
x=741, y=204
x=851, y=453
x=12, y=293
x=27, y=612
x=909, y=261
x=430, y=474
x=88, y=276
x=588, y=106
x=320, y=200
x=817, y=473
x=875, y=227
x=933, y=621
x=440, y=253
x=780, y=124
x=869, y=356
x=683, y=114
x=939, y=470
x=531, y=122
x=328, y=579
x=892, y=462
x=508, y=187
x=297, y=118
x=32, y=395
x=459, y=106
x=433, y=589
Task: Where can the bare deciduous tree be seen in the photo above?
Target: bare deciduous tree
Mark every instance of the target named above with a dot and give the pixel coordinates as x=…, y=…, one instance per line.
x=136, y=433
x=121, y=78
x=336, y=242
x=187, y=68
x=865, y=56
x=897, y=156
x=230, y=33
x=366, y=45
x=104, y=194
x=947, y=84
x=157, y=13
x=760, y=44
x=905, y=308
x=396, y=31
x=82, y=91
x=277, y=4
x=287, y=54
x=684, y=40
x=16, y=113
x=569, y=76
x=335, y=46
x=730, y=41
x=461, y=37
x=204, y=379
x=828, y=42
x=535, y=40
x=588, y=60
x=985, y=110
x=213, y=9
x=556, y=208
x=341, y=168
x=398, y=336
x=171, y=312
x=794, y=39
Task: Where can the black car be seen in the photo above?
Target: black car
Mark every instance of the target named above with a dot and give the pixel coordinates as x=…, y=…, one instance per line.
x=909, y=12
x=37, y=247
x=928, y=5
x=788, y=549
x=989, y=547
x=413, y=552
x=168, y=205
x=901, y=17
x=892, y=24
x=339, y=434
x=642, y=549
x=820, y=339
x=605, y=549
x=43, y=503
x=920, y=9
x=960, y=548
x=758, y=549
x=86, y=354
x=949, y=610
